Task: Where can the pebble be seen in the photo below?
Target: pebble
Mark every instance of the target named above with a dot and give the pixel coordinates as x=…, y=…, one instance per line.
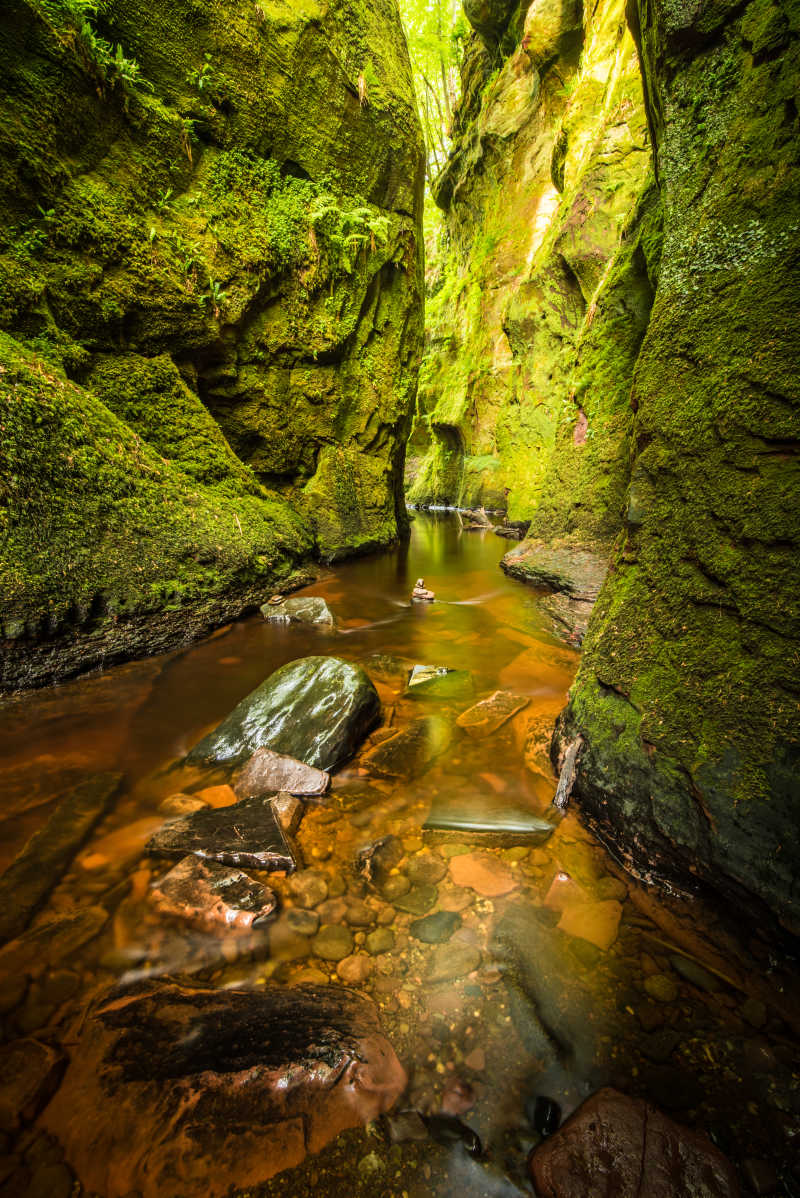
x=395, y=887
x=487, y=875
x=453, y=850
x=451, y=961
x=518, y=853
x=380, y=941
x=332, y=943
x=425, y=869
x=417, y=901
x=754, y=1011
x=305, y=923
x=332, y=910
x=354, y=970
x=661, y=987
x=358, y=914
x=309, y=888
x=309, y=977
x=695, y=974
x=435, y=928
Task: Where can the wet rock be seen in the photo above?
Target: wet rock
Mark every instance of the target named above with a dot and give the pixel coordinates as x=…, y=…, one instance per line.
x=609, y=887
x=308, y=888
x=574, y=576
x=564, y=892
x=476, y=1060
x=218, y=796
x=486, y=819
x=483, y=873
x=247, y=834
x=447, y=1129
x=380, y=941
x=408, y=753
x=195, y=1091
x=420, y=593
x=301, y=609
x=375, y=861
x=439, y=682
x=267, y=772
x=46, y=857
x=426, y=869
x=304, y=923
x=597, y=923
x=29, y=1075
x=453, y=961
x=354, y=970
x=316, y=709
x=435, y=928
x=458, y=1097
x=418, y=900
x=51, y=942
x=692, y=972
x=486, y=717
x=620, y=1147
x=213, y=895
x=289, y=812
x=181, y=804
x=359, y=915
x=661, y=987
x=395, y=887
x=332, y=943
x=544, y=1115
x=404, y=1127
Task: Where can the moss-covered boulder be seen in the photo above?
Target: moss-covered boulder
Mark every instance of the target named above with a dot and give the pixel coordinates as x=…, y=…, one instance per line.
x=210, y=246
x=687, y=698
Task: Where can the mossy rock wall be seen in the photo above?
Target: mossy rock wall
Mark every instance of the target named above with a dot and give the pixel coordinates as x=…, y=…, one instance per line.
x=209, y=246
x=536, y=319
x=687, y=698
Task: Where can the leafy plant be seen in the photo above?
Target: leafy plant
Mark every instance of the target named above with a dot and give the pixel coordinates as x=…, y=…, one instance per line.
x=204, y=78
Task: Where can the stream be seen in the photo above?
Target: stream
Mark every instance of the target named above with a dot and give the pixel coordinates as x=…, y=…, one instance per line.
x=548, y=973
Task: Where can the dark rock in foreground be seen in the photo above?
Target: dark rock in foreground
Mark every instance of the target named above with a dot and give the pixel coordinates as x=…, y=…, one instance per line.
x=303, y=609
x=574, y=576
x=410, y=752
x=317, y=709
x=48, y=854
x=209, y=894
x=29, y=1074
x=195, y=1091
x=245, y=834
x=267, y=772
x=620, y=1147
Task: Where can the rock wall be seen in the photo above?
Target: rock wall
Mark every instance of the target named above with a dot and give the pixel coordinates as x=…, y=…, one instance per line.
x=551, y=236
x=210, y=310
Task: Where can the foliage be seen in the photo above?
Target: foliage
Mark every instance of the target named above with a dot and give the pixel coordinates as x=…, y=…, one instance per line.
x=72, y=21
x=435, y=31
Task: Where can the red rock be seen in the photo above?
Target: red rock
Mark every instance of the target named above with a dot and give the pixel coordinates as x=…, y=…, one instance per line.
x=196, y=1092
x=620, y=1147
x=213, y=895
x=267, y=772
x=596, y=922
x=483, y=873
x=563, y=892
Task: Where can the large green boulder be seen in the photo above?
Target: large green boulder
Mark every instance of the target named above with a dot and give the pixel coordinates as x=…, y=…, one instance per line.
x=317, y=709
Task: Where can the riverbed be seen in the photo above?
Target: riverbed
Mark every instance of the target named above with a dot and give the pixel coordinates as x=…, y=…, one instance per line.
x=548, y=973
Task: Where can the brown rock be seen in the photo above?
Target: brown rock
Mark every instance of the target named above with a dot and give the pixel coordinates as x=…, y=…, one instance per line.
x=458, y=1097
x=29, y=1073
x=181, y=804
x=483, y=873
x=213, y=895
x=218, y=796
x=486, y=717
x=197, y=1092
x=620, y=1147
x=355, y=970
x=598, y=923
x=267, y=772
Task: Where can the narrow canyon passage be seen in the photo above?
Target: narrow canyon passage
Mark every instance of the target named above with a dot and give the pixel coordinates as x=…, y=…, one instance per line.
x=501, y=974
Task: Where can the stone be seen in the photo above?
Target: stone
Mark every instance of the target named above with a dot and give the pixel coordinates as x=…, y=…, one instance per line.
x=375, y=861
x=435, y=928
x=218, y=796
x=420, y=593
x=354, y=970
x=359, y=914
x=304, y=923
x=659, y=1046
x=453, y=961
x=439, y=682
x=426, y=868
x=476, y=1060
x=563, y=892
x=35, y=872
x=418, y=900
x=379, y=941
x=661, y=987
x=485, y=874
x=300, y=609
x=308, y=888
x=458, y=1097
x=693, y=972
x=213, y=895
x=405, y=1127
x=289, y=812
x=332, y=942
x=246, y=834
x=575, y=573
x=395, y=886
x=29, y=1075
x=199, y=1091
x=448, y=1130
x=754, y=1011
x=619, y=1147
x=267, y=772
x=181, y=804
x=316, y=709
x=486, y=717
x=408, y=753
x=486, y=817
x=598, y=923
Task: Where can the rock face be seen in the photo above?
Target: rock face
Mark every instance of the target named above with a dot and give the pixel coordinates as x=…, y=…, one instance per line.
x=210, y=311
x=317, y=709
x=619, y=1147
x=196, y=1091
x=686, y=698
x=571, y=576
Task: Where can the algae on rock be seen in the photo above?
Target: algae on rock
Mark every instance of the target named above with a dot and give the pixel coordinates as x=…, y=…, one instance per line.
x=210, y=273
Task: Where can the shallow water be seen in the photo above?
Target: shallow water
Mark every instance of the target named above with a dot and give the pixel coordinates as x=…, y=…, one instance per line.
x=535, y=1008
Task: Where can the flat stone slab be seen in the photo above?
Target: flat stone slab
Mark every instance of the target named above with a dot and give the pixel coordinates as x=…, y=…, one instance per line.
x=486, y=717
x=409, y=753
x=28, y=881
x=573, y=574
x=595, y=922
x=316, y=709
x=483, y=873
x=213, y=895
x=453, y=961
x=302, y=609
x=198, y=1092
x=620, y=1147
x=435, y=928
x=487, y=819
x=440, y=682
x=267, y=772
x=247, y=834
